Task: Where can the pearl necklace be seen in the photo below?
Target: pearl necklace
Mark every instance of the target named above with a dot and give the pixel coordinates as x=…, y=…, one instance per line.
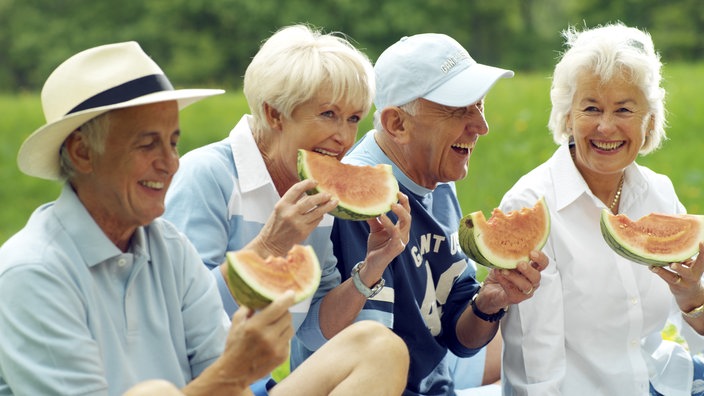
x=618, y=194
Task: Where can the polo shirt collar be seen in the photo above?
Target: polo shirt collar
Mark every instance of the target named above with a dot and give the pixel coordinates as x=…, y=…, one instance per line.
x=89, y=239
x=251, y=169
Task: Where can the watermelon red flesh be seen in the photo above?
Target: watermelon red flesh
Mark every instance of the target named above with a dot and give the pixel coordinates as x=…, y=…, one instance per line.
x=276, y=274
x=655, y=239
x=363, y=192
x=336, y=181
x=513, y=234
x=255, y=282
x=506, y=238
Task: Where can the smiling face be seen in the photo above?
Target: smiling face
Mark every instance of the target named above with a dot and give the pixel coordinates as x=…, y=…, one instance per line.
x=124, y=187
x=441, y=140
x=315, y=125
x=608, y=121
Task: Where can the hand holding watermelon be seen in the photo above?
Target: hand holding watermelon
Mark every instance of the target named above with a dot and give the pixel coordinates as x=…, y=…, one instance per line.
x=258, y=343
x=515, y=285
x=295, y=216
x=386, y=239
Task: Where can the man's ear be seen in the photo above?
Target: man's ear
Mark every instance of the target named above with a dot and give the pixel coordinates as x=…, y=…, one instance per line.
x=273, y=117
x=394, y=120
x=79, y=152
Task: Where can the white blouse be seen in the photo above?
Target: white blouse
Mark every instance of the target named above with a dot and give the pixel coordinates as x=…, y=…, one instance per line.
x=594, y=324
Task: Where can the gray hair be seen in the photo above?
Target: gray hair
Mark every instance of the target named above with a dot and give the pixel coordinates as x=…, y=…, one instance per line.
x=605, y=51
x=410, y=108
x=295, y=62
x=95, y=132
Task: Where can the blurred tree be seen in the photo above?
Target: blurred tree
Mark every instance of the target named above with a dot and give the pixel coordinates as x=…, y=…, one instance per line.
x=210, y=42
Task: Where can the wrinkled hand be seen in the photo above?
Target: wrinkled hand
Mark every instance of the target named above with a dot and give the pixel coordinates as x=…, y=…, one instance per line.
x=295, y=216
x=258, y=342
x=505, y=287
x=684, y=280
x=386, y=239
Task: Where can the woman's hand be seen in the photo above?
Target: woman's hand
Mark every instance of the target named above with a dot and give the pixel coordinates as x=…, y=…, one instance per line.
x=684, y=280
x=295, y=216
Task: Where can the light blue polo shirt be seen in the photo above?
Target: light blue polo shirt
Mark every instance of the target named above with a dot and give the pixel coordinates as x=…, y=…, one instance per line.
x=78, y=316
x=221, y=198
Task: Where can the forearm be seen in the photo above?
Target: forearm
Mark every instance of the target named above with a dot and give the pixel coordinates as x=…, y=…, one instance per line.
x=474, y=332
x=216, y=381
x=339, y=308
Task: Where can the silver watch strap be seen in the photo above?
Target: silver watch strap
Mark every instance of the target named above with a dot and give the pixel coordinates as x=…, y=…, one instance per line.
x=361, y=287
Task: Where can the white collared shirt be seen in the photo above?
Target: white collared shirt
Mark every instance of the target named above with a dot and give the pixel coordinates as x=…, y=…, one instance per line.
x=594, y=324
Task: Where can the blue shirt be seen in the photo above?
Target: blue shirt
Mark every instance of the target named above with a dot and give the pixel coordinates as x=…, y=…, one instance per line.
x=221, y=197
x=428, y=285
x=78, y=316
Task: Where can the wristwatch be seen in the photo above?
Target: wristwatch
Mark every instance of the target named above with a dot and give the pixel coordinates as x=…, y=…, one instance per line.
x=695, y=313
x=495, y=317
x=361, y=287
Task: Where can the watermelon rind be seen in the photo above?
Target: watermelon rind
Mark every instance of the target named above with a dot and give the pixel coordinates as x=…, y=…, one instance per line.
x=248, y=291
x=472, y=243
x=349, y=210
x=639, y=256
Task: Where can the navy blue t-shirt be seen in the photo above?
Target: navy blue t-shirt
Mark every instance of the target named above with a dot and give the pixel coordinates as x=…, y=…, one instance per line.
x=428, y=285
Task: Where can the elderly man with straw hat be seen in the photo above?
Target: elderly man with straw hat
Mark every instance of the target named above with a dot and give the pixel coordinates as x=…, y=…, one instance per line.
x=100, y=295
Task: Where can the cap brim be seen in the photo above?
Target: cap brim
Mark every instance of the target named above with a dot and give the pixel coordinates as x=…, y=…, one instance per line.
x=468, y=86
x=39, y=154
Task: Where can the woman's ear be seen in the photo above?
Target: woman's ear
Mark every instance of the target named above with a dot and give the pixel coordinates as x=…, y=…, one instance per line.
x=273, y=117
x=80, y=153
x=395, y=123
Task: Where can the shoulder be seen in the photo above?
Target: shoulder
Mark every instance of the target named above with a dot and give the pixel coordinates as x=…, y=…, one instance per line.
x=211, y=158
x=203, y=172
x=164, y=232
x=537, y=183
x=652, y=177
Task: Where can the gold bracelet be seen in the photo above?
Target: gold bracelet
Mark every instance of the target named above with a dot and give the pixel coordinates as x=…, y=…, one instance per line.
x=695, y=313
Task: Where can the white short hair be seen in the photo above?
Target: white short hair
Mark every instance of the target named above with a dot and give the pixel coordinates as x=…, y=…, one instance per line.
x=606, y=51
x=296, y=61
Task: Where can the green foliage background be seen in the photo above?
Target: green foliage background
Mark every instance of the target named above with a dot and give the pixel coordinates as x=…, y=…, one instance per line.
x=211, y=41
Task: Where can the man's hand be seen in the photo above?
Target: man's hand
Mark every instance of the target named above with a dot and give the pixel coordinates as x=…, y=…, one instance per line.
x=259, y=341
x=504, y=287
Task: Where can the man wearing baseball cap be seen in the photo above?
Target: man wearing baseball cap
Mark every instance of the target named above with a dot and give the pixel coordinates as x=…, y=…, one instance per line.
x=429, y=115
x=101, y=296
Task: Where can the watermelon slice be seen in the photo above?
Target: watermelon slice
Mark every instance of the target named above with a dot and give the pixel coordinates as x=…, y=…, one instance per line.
x=506, y=238
x=255, y=282
x=363, y=192
x=653, y=240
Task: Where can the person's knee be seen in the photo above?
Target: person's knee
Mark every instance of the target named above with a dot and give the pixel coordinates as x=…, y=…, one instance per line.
x=371, y=338
x=154, y=387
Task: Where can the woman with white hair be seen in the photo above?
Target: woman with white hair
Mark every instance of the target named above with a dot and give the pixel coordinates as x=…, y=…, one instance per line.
x=594, y=326
x=306, y=90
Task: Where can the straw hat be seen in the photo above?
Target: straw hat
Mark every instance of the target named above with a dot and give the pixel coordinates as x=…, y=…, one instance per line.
x=91, y=83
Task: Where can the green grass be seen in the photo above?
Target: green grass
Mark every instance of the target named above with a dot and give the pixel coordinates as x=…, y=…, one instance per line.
x=517, y=111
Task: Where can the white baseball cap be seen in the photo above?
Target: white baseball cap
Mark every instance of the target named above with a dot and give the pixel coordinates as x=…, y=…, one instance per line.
x=435, y=67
